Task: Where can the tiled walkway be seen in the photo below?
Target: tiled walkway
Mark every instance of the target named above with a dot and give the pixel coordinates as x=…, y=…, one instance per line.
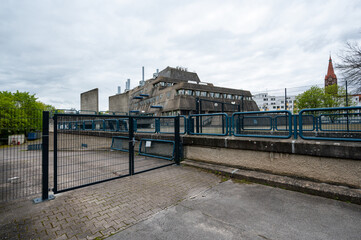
x=103, y=209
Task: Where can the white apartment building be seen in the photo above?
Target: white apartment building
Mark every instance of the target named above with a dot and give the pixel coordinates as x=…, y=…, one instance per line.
x=266, y=102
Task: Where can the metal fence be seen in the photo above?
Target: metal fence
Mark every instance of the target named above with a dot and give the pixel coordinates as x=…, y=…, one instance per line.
x=89, y=150
x=272, y=124
x=332, y=124
x=21, y=152
x=216, y=124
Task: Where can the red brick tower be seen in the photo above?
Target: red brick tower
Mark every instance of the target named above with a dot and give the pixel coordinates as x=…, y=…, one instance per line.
x=330, y=78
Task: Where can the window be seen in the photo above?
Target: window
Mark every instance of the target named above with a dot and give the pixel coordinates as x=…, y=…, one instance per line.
x=274, y=107
x=290, y=101
x=179, y=92
x=189, y=92
x=265, y=99
x=217, y=95
x=273, y=103
x=282, y=107
x=229, y=96
x=198, y=93
x=204, y=94
x=273, y=99
x=224, y=95
x=282, y=101
x=211, y=94
x=162, y=84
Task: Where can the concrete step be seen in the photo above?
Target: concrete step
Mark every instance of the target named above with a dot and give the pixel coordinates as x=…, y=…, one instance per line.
x=342, y=193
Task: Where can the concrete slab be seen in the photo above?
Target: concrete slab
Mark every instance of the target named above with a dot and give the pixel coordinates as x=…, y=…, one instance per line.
x=250, y=211
x=343, y=193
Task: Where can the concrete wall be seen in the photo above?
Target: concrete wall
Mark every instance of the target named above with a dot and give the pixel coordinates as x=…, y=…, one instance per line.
x=329, y=170
x=90, y=100
x=119, y=102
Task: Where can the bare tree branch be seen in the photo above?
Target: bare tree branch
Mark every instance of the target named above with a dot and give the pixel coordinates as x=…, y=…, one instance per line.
x=350, y=65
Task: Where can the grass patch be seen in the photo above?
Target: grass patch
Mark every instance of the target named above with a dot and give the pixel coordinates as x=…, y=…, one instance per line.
x=241, y=181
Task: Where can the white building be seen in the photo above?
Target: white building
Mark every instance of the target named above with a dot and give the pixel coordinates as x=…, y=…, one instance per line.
x=266, y=102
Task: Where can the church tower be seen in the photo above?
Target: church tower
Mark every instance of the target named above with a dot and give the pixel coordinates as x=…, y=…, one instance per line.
x=330, y=78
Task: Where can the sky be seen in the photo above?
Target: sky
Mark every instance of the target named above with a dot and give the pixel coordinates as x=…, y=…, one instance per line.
x=58, y=49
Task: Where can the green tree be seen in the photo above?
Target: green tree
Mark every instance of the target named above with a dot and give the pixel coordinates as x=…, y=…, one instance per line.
x=316, y=97
x=20, y=112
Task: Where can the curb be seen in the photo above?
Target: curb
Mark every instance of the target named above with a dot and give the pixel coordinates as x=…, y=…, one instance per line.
x=319, y=189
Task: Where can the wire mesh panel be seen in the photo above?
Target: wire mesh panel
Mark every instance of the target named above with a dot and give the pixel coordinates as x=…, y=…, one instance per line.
x=332, y=123
x=208, y=124
x=166, y=125
x=82, y=155
x=20, y=153
x=155, y=153
x=271, y=124
x=145, y=124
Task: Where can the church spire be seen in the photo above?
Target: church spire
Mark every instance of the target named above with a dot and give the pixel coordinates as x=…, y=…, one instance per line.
x=330, y=77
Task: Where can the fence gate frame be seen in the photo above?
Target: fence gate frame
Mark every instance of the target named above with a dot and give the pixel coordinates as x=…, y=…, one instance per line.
x=131, y=145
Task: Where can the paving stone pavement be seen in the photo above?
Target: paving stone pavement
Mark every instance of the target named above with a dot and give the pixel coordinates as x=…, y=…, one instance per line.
x=101, y=210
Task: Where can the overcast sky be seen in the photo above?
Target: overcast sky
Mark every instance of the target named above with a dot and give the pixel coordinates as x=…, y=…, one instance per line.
x=61, y=48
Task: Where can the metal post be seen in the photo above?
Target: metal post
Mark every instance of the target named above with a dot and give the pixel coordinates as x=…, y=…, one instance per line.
x=242, y=103
x=348, y=126
x=222, y=118
x=285, y=98
x=200, y=117
x=177, y=140
x=197, y=118
x=45, y=157
x=45, y=160
x=295, y=126
x=55, y=190
x=346, y=95
x=131, y=145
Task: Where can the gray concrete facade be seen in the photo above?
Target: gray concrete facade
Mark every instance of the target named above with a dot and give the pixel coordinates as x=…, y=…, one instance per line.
x=174, y=92
x=89, y=101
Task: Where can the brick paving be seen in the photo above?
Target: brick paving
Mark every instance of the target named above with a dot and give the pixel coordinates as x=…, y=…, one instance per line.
x=101, y=210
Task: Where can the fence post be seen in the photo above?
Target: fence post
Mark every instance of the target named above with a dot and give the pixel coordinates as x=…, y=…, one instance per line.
x=45, y=157
x=45, y=160
x=131, y=145
x=177, y=140
x=56, y=152
x=295, y=126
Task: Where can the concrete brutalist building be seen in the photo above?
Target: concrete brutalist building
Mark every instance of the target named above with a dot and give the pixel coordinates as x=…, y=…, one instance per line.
x=174, y=91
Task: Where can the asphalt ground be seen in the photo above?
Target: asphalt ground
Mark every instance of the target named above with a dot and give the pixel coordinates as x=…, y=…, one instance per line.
x=233, y=210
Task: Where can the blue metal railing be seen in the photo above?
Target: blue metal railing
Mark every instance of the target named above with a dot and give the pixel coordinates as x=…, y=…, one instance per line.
x=262, y=124
x=341, y=123
x=311, y=124
x=217, y=126
x=166, y=125
x=143, y=148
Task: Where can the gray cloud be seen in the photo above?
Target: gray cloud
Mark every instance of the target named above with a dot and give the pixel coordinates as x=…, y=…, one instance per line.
x=58, y=49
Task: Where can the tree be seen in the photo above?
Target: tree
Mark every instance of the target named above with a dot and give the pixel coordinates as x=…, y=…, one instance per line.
x=316, y=97
x=350, y=65
x=20, y=112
